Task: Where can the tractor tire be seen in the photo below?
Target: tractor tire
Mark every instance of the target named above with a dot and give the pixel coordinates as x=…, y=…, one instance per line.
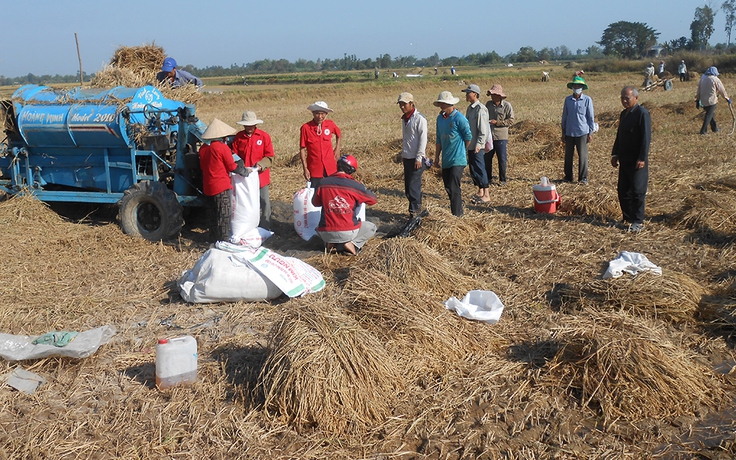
x=151, y=211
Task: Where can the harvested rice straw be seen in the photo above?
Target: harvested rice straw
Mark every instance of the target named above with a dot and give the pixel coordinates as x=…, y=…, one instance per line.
x=416, y=327
x=708, y=212
x=600, y=203
x=326, y=370
x=444, y=232
x=671, y=296
x=630, y=368
x=415, y=264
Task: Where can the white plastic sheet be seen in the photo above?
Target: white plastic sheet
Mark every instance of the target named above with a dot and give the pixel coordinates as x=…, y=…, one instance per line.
x=20, y=347
x=478, y=305
x=630, y=262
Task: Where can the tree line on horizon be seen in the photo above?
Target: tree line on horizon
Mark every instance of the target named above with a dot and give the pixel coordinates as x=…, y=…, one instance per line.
x=622, y=39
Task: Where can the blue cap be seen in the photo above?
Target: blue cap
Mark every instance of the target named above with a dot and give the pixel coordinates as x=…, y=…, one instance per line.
x=169, y=64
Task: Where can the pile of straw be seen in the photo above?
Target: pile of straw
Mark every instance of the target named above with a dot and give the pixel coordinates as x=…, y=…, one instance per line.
x=415, y=327
x=671, y=296
x=709, y=213
x=324, y=370
x=139, y=58
x=541, y=139
x=599, y=203
x=137, y=66
x=630, y=368
x=445, y=233
x=417, y=266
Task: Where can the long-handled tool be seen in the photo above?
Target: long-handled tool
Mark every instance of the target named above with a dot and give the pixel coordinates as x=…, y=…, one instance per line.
x=733, y=117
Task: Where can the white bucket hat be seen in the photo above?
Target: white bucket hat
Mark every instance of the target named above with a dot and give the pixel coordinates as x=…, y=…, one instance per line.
x=319, y=106
x=249, y=119
x=446, y=97
x=218, y=129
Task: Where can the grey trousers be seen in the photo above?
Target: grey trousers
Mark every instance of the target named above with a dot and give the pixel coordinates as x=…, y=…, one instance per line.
x=581, y=144
x=357, y=237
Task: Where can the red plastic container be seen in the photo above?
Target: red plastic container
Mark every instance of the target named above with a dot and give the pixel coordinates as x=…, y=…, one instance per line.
x=546, y=198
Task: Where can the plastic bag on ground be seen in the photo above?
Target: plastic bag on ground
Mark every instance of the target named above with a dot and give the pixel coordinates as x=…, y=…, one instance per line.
x=20, y=347
x=631, y=263
x=478, y=305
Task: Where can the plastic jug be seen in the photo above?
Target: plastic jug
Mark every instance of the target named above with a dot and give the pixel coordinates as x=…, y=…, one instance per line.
x=176, y=361
x=546, y=199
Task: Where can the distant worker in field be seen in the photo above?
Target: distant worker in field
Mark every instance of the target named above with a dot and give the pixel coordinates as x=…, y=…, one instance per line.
x=649, y=75
x=631, y=155
x=341, y=197
x=477, y=115
x=660, y=70
x=254, y=147
x=453, y=142
x=682, y=71
x=501, y=116
x=578, y=126
x=175, y=77
x=319, y=157
x=376, y=73
x=217, y=162
x=452, y=70
x=413, y=151
x=709, y=87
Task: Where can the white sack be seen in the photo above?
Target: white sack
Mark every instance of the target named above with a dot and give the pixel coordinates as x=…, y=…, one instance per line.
x=217, y=277
x=629, y=262
x=19, y=347
x=246, y=205
x=291, y=275
x=255, y=237
x=479, y=305
x=306, y=215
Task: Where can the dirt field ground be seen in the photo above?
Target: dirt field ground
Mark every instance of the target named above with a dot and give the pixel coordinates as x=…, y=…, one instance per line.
x=374, y=367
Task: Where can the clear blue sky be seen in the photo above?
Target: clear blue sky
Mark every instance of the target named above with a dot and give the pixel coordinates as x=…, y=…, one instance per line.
x=38, y=35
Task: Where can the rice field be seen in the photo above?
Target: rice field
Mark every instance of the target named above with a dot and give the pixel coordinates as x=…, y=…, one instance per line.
x=373, y=366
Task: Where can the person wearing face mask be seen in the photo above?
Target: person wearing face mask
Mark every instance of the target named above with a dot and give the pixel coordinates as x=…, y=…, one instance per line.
x=453, y=141
x=319, y=158
x=578, y=127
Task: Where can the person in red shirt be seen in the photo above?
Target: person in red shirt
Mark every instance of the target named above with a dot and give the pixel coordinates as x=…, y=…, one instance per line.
x=340, y=197
x=254, y=147
x=315, y=144
x=216, y=161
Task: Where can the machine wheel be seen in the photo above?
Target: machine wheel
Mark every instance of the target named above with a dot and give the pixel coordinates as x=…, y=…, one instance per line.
x=151, y=211
x=667, y=85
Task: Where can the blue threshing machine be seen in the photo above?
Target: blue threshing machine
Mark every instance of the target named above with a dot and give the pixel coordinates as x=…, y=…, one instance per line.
x=130, y=146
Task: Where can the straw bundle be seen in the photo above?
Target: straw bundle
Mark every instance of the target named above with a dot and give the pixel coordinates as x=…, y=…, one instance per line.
x=139, y=58
x=630, y=368
x=325, y=370
x=415, y=264
x=413, y=325
x=710, y=213
x=671, y=296
x=599, y=203
x=442, y=231
x=541, y=139
x=26, y=209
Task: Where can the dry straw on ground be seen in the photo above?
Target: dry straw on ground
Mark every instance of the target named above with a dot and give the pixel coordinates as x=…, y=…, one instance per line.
x=587, y=202
x=671, y=296
x=710, y=212
x=324, y=370
x=630, y=368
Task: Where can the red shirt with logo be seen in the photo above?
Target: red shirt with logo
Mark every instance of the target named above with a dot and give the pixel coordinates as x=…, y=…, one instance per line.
x=253, y=149
x=320, y=153
x=340, y=197
x=216, y=161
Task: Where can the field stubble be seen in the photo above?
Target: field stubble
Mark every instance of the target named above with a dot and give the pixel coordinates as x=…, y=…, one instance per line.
x=576, y=368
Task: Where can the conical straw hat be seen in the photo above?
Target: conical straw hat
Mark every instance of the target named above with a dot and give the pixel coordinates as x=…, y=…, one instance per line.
x=218, y=129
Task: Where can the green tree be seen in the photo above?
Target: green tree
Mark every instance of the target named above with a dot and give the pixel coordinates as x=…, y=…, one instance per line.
x=729, y=9
x=628, y=39
x=702, y=27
